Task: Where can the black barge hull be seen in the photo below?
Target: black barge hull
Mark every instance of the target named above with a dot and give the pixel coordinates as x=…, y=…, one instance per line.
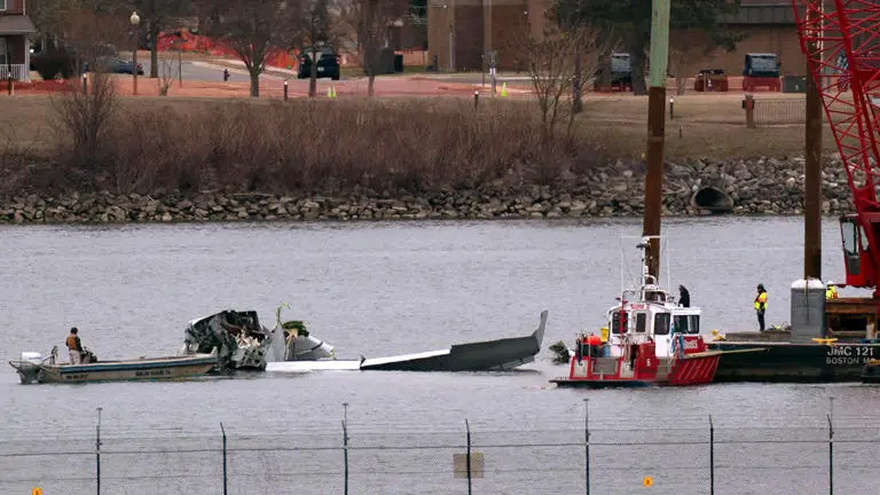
x=793, y=362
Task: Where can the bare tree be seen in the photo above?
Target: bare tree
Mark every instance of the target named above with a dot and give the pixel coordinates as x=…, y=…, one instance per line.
x=158, y=15
x=85, y=114
x=168, y=71
x=553, y=61
x=371, y=22
x=85, y=29
x=253, y=29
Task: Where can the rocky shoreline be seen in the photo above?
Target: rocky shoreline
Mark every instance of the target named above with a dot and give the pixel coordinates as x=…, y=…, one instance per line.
x=765, y=186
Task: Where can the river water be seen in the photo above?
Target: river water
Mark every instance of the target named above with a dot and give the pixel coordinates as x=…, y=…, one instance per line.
x=380, y=289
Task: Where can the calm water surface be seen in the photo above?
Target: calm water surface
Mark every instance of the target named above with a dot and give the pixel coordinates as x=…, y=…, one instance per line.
x=380, y=289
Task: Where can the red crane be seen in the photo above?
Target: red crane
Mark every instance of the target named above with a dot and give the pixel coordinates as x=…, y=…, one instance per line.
x=841, y=39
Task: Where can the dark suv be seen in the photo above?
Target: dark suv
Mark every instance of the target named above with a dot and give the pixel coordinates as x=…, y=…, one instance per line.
x=328, y=63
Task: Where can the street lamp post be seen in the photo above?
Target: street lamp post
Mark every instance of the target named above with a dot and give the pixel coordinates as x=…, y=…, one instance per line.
x=135, y=21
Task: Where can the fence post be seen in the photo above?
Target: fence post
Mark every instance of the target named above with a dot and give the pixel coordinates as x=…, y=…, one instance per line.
x=223, y=431
x=468, y=455
x=285, y=90
x=85, y=84
x=344, y=433
x=587, y=444
x=98, y=452
x=711, y=457
x=750, y=111
x=831, y=449
x=180, y=64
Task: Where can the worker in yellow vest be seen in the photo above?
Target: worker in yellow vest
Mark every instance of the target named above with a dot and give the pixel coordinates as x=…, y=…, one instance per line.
x=761, y=306
x=831, y=291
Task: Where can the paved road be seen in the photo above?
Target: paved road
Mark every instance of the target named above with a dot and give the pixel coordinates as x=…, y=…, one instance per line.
x=195, y=70
x=207, y=70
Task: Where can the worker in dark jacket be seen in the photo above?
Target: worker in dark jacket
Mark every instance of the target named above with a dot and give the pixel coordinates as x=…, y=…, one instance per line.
x=684, y=297
x=74, y=346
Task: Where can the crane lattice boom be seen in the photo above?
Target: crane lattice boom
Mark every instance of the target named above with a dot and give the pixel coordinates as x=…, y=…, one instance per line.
x=843, y=44
x=841, y=39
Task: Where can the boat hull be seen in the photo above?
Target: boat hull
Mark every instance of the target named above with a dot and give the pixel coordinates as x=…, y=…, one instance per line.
x=142, y=369
x=793, y=362
x=605, y=383
x=694, y=369
x=690, y=369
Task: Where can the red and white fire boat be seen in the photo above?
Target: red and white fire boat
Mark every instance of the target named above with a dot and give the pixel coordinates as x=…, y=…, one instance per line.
x=653, y=341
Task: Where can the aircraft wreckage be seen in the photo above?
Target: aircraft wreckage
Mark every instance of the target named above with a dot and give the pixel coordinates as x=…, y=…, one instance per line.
x=243, y=343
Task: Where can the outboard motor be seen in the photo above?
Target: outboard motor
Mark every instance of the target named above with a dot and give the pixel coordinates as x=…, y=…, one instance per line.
x=31, y=357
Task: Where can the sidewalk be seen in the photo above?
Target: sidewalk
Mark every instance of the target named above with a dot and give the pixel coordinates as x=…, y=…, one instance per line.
x=239, y=67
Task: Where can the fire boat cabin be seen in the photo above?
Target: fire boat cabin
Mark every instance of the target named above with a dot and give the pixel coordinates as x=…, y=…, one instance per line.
x=655, y=317
x=15, y=27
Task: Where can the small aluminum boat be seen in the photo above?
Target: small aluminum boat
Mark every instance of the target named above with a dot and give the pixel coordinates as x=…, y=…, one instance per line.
x=33, y=368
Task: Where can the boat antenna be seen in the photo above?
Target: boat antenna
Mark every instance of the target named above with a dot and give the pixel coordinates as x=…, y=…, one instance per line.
x=644, y=247
x=626, y=274
x=668, y=269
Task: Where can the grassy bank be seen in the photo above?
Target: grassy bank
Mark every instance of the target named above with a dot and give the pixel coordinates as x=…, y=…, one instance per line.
x=413, y=144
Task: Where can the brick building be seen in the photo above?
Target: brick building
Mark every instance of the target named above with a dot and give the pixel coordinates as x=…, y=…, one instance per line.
x=461, y=31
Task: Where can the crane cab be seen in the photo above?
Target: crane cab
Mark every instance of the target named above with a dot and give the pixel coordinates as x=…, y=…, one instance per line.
x=858, y=255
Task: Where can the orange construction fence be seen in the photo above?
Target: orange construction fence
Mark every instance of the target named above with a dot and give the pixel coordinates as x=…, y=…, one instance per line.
x=186, y=41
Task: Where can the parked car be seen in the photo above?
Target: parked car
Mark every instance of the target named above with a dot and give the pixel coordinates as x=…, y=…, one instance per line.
x=328, y=63
x=711, y=80
x=114, y=65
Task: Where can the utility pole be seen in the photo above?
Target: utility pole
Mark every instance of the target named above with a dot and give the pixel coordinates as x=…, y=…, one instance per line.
x=451, y=18
x=180, y=62
x=656, y=133
x=813, y=161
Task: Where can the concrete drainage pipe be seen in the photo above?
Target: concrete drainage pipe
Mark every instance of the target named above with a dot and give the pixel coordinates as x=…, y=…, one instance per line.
x=713, y=200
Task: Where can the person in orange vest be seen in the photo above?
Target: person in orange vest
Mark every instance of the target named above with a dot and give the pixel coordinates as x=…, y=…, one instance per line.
x=595, y=344
x=74, y=346
x=761, y=306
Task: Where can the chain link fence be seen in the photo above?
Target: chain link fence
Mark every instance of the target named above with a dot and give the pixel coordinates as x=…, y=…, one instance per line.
x=704, y=460
x=777, y=111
